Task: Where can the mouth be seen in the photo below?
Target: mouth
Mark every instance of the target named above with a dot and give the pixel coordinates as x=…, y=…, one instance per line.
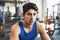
x=31, y=21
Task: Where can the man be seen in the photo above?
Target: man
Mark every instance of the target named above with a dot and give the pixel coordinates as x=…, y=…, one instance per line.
x=28, y=28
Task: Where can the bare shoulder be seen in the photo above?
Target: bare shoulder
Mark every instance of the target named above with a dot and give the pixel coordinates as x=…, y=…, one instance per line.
x=15, y=32
x=40, y=28
x=15, y=25
x=42, y=32
x=15, y=28
x=39, y=24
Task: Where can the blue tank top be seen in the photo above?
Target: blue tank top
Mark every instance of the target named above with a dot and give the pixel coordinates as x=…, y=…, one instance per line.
x=27, y=36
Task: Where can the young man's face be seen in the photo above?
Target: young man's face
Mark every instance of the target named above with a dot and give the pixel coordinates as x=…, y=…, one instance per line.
x=30, y=16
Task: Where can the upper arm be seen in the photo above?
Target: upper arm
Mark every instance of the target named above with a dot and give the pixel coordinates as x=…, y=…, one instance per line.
x=42, y=32
x=14, y=33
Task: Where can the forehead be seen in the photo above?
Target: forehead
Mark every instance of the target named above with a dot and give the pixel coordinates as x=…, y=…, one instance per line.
x=31, y=11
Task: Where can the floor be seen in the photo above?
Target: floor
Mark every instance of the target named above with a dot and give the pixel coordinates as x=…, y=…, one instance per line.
x=56, y=35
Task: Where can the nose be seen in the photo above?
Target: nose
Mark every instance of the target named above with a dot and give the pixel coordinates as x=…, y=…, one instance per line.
x=32, y=17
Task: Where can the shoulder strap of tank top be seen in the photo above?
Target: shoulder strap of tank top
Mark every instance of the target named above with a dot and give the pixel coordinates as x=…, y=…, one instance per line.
x=20, y=23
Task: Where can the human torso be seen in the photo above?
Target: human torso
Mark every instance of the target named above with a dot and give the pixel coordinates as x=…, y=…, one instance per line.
x=27, y=36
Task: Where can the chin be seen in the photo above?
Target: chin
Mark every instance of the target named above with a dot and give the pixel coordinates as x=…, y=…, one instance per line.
x=31, y=23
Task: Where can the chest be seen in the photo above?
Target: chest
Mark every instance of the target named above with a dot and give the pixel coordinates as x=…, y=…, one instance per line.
x=28, y=33
x=28, y=30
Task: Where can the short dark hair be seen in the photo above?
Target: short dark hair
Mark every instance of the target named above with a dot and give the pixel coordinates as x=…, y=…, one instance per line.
x=28, y=6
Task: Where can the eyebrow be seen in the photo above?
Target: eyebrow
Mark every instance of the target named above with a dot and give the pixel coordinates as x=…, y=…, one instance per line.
x=33, y=13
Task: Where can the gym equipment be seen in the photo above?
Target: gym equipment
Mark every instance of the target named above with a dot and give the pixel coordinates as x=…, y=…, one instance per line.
x=49, y=31
x=1, y=29
x=45, y=21
x=48, y=21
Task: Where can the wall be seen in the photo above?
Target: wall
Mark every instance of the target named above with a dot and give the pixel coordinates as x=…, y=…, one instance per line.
x=44, y=8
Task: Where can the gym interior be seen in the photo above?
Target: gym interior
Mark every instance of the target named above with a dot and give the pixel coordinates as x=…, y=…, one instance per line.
x=48, y=16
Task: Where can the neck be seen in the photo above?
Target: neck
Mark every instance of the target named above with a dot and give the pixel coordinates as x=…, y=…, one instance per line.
x=26, y=24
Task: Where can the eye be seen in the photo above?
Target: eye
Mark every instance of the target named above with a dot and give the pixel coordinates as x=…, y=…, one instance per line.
x=34, y=14
x=29, y=14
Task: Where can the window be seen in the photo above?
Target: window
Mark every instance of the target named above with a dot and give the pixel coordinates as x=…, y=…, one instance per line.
x=50, y=4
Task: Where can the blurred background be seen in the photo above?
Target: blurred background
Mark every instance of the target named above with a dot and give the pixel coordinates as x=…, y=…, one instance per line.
x=48, y=16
